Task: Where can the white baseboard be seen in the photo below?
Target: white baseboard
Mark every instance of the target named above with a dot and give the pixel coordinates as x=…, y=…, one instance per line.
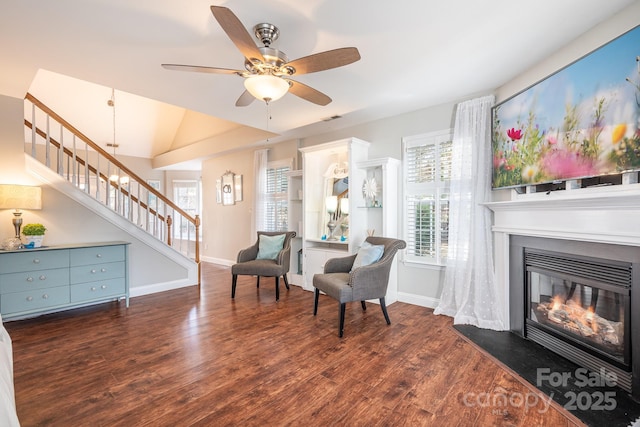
x=219, y=261
x=138, y=291
x=420, y=300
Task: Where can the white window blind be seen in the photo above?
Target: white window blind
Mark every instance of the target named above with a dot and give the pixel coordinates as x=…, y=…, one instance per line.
x=427, y=174
x=276, y=198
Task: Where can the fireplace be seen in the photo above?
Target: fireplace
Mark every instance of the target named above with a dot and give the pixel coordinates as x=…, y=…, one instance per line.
x=577, y=299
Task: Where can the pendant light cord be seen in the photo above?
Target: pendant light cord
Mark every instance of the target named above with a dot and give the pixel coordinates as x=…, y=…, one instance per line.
x=113, y=105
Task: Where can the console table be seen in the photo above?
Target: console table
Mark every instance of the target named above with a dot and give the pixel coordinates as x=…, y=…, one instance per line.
x=55, y=278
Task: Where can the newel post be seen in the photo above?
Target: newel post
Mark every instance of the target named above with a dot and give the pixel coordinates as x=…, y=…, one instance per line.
x=197, y=224
x=169, y=223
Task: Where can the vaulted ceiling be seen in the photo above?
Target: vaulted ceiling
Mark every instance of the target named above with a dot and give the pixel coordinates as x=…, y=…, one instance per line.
x=415, y=54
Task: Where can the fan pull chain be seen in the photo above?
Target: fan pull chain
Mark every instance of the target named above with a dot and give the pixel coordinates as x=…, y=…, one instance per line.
x=268, y=118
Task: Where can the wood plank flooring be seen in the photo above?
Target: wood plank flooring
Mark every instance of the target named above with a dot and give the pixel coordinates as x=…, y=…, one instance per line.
x=182, y=359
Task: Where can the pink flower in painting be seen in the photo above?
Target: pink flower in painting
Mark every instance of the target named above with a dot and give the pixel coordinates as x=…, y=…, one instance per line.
x=514, y=134
x=563, y=164
x=552, y=140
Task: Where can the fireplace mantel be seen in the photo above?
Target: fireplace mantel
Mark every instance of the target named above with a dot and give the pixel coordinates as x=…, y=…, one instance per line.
x=601, y=214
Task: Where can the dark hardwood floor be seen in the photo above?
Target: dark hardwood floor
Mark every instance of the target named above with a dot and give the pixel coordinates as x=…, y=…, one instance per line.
x=182, y=359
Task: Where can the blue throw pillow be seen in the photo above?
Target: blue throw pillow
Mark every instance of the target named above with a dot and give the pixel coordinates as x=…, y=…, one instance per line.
x=269, y=246
x=368, y=254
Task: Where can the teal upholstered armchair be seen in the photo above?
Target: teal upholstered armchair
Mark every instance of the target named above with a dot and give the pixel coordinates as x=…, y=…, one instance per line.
x=268, y=257
x=345, y=283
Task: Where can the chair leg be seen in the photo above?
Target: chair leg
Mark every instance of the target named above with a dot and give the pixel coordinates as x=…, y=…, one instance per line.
x=384, y=310
x=286, y=281
x=234, y=280
x=277, y=288
x=342, y=307
x=364, y=306
x=315, y=301
x=258, y=282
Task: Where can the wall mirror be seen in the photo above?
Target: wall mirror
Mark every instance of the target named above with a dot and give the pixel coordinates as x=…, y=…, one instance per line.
x=228, y=188
x=336, y=184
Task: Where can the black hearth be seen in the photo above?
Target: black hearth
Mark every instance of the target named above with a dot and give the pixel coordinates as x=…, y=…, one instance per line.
x=577, y=299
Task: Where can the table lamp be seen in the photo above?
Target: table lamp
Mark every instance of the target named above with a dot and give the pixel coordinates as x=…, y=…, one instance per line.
x=20, y=197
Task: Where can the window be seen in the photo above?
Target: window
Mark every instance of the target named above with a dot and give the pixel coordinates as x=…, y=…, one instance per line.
x=276, y=198
x=186, y=194
x=427, y=172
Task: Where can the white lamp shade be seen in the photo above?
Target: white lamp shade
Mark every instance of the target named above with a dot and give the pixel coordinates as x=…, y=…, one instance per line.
x=266, y=87
x=332, y=204
x=20, y=197
x=344, y=206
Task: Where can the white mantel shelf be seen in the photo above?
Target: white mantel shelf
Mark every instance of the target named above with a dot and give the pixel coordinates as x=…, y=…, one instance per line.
x=602, y=214
x=622, y=197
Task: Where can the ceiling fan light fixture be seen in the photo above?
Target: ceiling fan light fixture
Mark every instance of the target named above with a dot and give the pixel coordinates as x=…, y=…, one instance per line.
x=266, y=87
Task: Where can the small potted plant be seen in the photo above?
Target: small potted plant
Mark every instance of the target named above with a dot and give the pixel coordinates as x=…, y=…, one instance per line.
x=34, y=234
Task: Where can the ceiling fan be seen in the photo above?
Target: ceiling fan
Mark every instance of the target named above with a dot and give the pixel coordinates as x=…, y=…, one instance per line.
x=267, y=70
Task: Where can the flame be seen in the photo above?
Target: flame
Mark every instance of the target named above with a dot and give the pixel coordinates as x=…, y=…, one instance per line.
x=556, y=303
x=589, y=316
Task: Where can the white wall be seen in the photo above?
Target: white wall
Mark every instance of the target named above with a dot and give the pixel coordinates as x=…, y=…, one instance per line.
x=417, y=284
x=227, y=229
x=583, y=45
x=584, y=220
x=66, y=220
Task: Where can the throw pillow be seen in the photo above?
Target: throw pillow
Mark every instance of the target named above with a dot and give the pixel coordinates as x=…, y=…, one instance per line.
x=269, y=246
x=368, y=254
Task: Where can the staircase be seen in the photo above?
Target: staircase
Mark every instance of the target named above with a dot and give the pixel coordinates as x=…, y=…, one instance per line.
x=95, y=178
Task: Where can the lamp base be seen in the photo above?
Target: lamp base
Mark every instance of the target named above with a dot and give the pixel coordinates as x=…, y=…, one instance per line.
x=17, y=222
x=331, y=225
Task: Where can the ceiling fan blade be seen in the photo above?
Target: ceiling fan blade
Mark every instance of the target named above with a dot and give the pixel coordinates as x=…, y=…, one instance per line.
x=201, y=69
x=245, y=99
x=308, y=93
x=324, y=60
x=237, y=33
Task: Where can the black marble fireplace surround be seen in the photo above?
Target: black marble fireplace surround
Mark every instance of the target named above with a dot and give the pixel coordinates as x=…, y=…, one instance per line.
x=605, y=271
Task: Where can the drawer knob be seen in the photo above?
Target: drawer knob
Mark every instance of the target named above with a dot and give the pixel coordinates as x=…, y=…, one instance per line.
x=29, y=279
x=43, y=277
x=103, y=270
x=29, y=298
x=98, y=255
x=103, y=287
x=93, y=271
x=93, y=289
x=45, y=296
x=36, y=261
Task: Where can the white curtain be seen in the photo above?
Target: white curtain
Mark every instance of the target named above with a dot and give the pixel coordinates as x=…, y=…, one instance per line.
x=469, y=294
x=260, y=158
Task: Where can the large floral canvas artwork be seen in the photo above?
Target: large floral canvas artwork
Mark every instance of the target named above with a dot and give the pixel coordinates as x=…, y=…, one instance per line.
x=583, y=121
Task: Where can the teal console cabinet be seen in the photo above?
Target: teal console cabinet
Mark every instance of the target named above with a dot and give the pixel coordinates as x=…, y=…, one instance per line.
x=49, y=279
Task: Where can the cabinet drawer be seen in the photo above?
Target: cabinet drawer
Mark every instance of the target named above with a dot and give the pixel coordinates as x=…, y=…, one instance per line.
x=34, y=300
x=95, y=272
x=99, y=254
x=36, y=260
x=31, y=280
x=97, y=290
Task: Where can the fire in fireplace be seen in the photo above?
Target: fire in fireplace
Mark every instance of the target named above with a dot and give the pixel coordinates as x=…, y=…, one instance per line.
x=579, y=321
